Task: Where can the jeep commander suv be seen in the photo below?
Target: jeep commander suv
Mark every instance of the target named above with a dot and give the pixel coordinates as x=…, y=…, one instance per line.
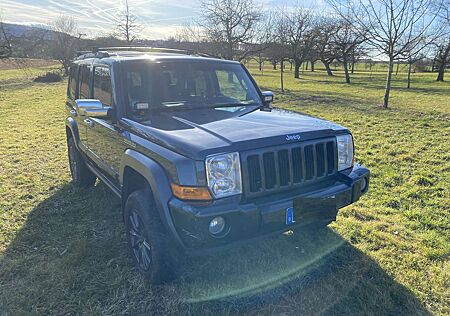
x=197, y=155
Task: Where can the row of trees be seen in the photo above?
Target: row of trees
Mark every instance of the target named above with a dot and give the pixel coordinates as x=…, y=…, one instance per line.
x=391, y=30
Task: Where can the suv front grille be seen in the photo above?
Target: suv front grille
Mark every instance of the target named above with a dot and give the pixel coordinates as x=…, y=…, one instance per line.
x=285, y=167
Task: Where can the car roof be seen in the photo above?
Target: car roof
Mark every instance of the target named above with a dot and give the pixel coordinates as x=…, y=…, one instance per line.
x=111, y=56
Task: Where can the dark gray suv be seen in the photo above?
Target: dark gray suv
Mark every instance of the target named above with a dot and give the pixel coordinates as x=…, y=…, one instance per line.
x=197, y=155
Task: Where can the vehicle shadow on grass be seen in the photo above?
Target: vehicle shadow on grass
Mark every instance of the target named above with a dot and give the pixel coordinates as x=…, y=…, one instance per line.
x=70, y=257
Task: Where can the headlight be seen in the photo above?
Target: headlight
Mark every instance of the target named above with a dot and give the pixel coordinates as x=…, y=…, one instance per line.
x=345, y=151
x=224, y=174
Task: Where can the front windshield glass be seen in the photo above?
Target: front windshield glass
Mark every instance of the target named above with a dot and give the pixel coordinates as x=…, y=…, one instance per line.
x=178, y=85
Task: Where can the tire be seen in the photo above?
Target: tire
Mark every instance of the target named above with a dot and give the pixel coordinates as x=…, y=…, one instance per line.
x=81, y=175
x=147, y=238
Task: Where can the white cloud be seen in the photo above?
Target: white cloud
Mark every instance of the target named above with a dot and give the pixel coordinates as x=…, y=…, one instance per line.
x=159, y=18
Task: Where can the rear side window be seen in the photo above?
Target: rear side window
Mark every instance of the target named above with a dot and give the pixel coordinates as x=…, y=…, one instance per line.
x=71, y=90
x=84, y=80
x=102, y=85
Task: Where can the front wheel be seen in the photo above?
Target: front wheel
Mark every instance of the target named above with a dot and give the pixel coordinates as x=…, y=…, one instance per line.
x=147, y=239
x=81, y=175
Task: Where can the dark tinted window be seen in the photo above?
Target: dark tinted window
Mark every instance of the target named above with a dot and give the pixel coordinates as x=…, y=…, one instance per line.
x=102, y=85
x=72, y=81
x=84, y=79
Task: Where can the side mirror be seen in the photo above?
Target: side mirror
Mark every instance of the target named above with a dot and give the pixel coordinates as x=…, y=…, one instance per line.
x=268, y=98
x=92, y=108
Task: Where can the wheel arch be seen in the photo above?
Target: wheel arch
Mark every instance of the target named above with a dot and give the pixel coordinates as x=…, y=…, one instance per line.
x=72, y=130
x=137, y=171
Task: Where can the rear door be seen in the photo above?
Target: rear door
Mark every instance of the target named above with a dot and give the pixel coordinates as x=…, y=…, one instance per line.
x=83, y=91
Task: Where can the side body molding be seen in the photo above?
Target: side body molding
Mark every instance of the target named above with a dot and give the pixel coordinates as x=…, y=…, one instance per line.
x=159, y=183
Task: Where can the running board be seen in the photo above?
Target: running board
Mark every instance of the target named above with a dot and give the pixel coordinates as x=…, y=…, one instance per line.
x=105, y=180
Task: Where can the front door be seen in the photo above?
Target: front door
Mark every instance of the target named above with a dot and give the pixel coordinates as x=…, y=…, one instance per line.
x=104, y=140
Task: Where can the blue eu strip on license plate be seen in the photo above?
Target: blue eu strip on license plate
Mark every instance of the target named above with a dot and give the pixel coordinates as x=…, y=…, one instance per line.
x=290, y=216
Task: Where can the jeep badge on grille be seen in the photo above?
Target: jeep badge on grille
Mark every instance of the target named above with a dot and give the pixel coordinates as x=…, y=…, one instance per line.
x=293, y=137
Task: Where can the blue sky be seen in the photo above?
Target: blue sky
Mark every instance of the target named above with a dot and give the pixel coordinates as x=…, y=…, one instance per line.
x=160, y=18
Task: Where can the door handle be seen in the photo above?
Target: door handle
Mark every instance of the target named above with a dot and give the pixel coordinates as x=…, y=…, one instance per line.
x=89, y=122
x=73, y=112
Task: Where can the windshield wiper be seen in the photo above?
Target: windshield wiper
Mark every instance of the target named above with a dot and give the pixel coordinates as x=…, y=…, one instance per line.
x=232, y=105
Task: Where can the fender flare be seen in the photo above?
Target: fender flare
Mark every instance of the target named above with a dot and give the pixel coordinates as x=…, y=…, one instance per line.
x=159, y=185
x=72, y=125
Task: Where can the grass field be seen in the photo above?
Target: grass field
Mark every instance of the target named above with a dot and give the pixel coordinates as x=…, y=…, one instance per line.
x=63, y=249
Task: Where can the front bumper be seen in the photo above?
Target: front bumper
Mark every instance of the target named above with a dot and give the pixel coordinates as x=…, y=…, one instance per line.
x=250, y=219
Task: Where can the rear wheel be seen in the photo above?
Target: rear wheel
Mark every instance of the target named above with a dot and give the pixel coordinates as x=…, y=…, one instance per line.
x=81, y=175
x=147, y=238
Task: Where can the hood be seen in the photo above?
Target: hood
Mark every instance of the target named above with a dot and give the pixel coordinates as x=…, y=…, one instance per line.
x=199, y=133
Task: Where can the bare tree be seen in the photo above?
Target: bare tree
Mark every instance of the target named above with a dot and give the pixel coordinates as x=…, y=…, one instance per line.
x=412, y=59
x=231, y=24
x=345, y=41
x=5, y=40
x=65, y=40
x=443, y=47
x=128, y=26
x=323, y=45
x=442, y=59
x=279, y=48
x=297, y=23
x=392, y=26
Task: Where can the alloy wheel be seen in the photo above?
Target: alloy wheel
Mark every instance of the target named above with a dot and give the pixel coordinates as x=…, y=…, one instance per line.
x=139, y=244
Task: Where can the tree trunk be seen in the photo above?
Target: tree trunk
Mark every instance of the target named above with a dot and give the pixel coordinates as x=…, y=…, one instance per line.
x=353, y=66
x=347, y=75
x=396, y=70
x=443, y=64
x=274, y=66
x=327, y=67
x=229, y=51
x=281, y=75
x=297, y=65
x=312, y=66
x=409, y=75
x=260, y=66
x=388, y=83
x=441, y=72
x=307, y=63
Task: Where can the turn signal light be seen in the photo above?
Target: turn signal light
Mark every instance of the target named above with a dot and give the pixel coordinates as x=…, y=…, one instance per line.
x=191, y=193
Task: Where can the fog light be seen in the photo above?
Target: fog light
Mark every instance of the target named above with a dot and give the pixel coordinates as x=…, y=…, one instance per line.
x=364, y=184
x=217, y=225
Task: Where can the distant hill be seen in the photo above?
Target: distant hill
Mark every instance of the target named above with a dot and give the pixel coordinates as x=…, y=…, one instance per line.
x=22, y=30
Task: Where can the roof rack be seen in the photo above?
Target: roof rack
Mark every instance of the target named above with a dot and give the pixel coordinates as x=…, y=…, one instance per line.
x=140, y=49
x=102, y=52
x=87, y=54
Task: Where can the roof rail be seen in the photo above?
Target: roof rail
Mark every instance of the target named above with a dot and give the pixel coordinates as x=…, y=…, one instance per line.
x=87, y=54
x=148, y=49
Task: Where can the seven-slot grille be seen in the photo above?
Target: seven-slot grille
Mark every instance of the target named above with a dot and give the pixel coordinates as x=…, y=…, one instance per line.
x=285, y=167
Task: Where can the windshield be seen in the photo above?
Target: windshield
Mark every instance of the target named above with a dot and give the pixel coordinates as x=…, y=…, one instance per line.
x=178, y=85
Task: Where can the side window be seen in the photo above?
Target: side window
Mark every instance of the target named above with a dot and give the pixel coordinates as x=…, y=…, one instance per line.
x=102, y=85
x=230, y=85
x=72, y=87
x=84, y=82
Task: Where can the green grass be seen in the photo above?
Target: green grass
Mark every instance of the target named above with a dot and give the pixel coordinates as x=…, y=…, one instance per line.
x=63, y=249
